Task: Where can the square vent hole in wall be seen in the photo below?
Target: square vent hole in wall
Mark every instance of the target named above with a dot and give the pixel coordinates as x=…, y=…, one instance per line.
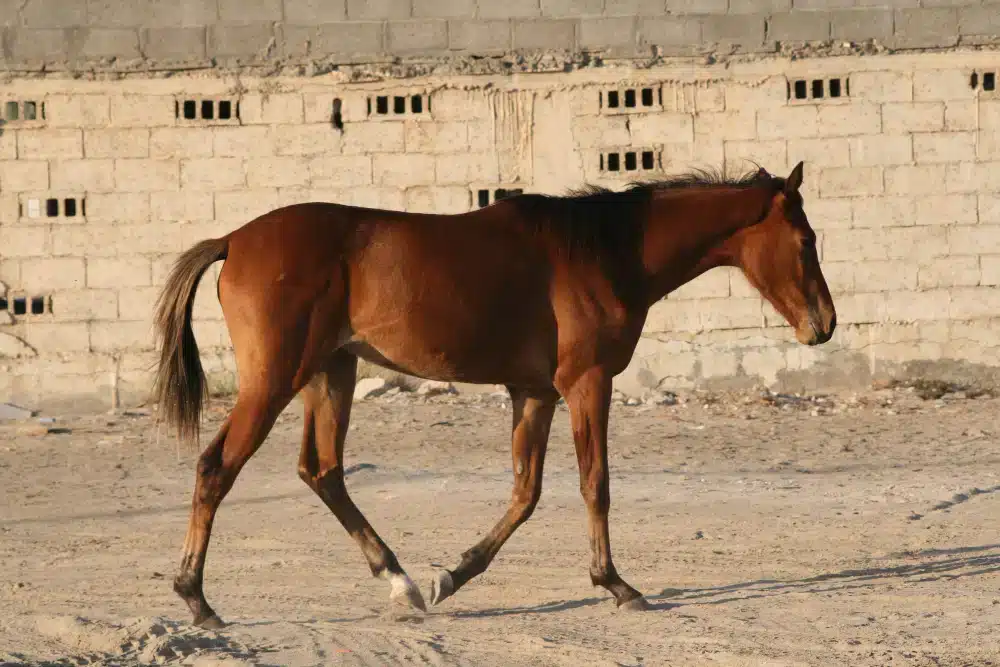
x=483, y=197
x=630, y=100
x=629, y=160
x=984, y=81
x=399, y=105
x=207, y=111
x=819, y=90
x=26, y=305
x=53, y=208
x=23, y=111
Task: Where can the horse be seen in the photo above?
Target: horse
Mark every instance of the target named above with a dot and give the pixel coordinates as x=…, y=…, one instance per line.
x=544, y=294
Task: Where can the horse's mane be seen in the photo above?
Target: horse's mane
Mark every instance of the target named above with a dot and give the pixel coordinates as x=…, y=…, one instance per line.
x=600, y=221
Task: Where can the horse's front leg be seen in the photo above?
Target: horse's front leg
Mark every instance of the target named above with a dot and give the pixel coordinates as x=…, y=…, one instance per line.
x=588, y=396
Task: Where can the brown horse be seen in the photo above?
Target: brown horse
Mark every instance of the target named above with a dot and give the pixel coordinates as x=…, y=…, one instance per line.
x=545, y=295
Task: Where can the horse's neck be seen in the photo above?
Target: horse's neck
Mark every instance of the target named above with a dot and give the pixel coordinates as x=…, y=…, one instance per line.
x=687, y=233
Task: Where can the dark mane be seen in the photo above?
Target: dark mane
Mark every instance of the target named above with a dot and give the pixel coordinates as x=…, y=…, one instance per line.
x=600, y=222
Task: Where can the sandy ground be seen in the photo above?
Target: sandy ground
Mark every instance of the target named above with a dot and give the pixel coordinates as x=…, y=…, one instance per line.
x=845, y=531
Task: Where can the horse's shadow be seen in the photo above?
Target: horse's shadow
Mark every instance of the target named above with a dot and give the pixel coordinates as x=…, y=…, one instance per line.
x=960, y=562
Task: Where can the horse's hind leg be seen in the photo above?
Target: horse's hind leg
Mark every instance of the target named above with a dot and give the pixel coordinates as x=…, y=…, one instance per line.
x=240, y=436
x=327, y=401
x=532, y=420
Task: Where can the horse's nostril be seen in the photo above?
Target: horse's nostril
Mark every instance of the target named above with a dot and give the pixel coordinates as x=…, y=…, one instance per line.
x=833, y=322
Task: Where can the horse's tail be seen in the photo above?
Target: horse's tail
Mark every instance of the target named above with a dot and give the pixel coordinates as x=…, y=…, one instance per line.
x=180, y=385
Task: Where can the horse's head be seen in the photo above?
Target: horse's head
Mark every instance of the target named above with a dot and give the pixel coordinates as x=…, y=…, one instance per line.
x=778, y=257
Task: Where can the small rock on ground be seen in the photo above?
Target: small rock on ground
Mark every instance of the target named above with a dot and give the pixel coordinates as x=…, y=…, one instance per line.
x=370, y=388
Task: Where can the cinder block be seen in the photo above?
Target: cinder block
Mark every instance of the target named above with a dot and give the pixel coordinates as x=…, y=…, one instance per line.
x=245, y=205
x=850, y=181
x=787, y=122
x=110, y=43
x=988, y=145
x=832, y=152
x=799, y=27
x=305, y=12
x=915, y=244
x=77, y=111
x=733, y=125
x=106, y=272
x=57, y=338
x=90, y=240
x=466, y=168
x=915, y=180
x=849, y=119
x=137, y=175
x=882, y=86
x=42, y=144
x=949, y=272
x=53, y=273
x=83, y=175
x=881, y=149
x=913, y=116
x=52, y=13
x=276, y=108
x=116, y=143
x=24, y=175
x=861, y=308
x=246, y=41
x=178, y=142
x=947, y=210
x=244, y=141
x=973, y=177
x=444, y=9
x=175, y=44
x=124, y=207
x=598, y=131
x=480, y=36
x=983, y=21
x=618, y=33
x=861, y=24
x=931, y=85
x=135, y=304
x=730, y=313
x=925, y=28
x=110, y=337
x=883, y=211
x=544, y=34
x=839, y=277
x=405, y=170
x=452, y=104
x=741, y=155
x=438, y=199
x=972, y=240
x=118, y=13
x=744, y=31
x=853, y=245
x=313, y=139
x=277, y=172
x=24, y=241
x=344, y=40
x=652, y=129
x=319, y=106
x=710, y=285
x=135, y=111
x=446, y=137
x=961, y=115
x=753, y=94
x=38, y=46
x=220, y=173
x=674, y=35
x=171, y=206
x=989, y=209
x=427, y=36
x=944, y=147
x=752, y=6
x=884, y=276
x=85, y=305
x=366, y=138
x=383, y=9
x=918, y=306
x=971, y=303
x=482, y=136
x=989, y=266
x=341, y=171
x=829, y=213
x=241, y=11
x=390, y=199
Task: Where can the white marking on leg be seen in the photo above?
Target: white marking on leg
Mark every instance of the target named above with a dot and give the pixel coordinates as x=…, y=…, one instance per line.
x=403, y=588
x=520, y=467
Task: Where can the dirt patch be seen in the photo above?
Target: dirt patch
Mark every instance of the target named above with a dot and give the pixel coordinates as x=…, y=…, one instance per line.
x=777, y=529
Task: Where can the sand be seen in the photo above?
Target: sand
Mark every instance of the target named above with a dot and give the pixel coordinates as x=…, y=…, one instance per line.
x=847, y=530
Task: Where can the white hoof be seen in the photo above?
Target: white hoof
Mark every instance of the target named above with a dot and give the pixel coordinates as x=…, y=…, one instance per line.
x=635, y=604
x=442, y=587
x=403, y=589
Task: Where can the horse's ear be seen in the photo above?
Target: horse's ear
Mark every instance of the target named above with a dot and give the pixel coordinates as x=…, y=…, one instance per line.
x=762, y=173
x=794, y=180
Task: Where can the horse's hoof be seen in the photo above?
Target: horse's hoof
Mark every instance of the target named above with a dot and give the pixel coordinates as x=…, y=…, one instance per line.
x=442, y=587
x=635, y=604
x=213, y=622
x=403, y=589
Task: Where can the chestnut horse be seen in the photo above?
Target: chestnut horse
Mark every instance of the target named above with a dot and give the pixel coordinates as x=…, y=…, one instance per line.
x=546, y=295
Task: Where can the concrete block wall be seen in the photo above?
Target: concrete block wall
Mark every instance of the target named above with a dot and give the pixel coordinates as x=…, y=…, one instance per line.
x=103, y=183
x=131, y=33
